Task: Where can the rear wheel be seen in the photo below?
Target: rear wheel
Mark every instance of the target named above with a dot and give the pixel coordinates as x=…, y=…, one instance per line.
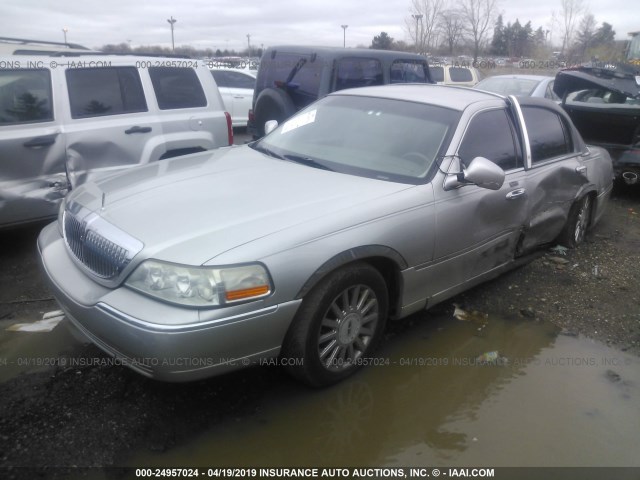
x=339, y=324
x=577, y=224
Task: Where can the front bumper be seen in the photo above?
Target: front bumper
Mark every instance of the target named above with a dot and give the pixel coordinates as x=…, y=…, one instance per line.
x=159, y=340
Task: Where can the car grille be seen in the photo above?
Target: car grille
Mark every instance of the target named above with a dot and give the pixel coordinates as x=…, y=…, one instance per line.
x=102, y=256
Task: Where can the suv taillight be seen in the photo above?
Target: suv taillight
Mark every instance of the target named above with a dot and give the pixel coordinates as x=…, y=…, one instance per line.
x=229, y=128
x=252, y=116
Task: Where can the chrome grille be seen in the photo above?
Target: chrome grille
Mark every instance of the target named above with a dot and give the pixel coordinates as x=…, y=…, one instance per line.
x=102, y=256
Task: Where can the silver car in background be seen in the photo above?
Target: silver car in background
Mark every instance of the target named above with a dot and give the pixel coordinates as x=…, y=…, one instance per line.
x=370, y=204
x=520, y=85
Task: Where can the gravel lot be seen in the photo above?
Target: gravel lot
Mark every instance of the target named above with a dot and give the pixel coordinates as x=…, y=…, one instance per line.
x=94, y=416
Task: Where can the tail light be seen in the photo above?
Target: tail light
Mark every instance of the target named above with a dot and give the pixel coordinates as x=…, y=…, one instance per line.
x=229, y=128
x=252, y=117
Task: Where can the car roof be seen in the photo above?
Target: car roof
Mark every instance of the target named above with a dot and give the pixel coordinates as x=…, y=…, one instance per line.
x=455, y=98
x=246, y=71
x=341, y=52
x=521, y=77
x=98, y=60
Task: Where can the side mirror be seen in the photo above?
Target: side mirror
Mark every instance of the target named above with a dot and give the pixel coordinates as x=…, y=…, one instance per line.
x=270, y=126
x=484, y=173
x=481, y=172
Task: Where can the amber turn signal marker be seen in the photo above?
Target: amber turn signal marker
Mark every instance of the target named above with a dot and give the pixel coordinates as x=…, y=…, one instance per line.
x=246, y=293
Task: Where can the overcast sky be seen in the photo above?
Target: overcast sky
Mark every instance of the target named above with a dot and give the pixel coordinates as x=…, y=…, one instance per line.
x=225, y=24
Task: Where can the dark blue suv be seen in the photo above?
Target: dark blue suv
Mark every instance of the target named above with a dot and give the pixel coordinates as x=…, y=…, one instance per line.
x=290, y=77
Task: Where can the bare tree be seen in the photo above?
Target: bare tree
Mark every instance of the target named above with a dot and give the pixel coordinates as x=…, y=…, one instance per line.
x=478, y=16
x=423, y=30
x=570, y=11
x=586, y=34
x=451, y=27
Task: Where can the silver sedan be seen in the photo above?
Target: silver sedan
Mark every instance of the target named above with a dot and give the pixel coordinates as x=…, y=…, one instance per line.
x=370, y=204
x=520, y=85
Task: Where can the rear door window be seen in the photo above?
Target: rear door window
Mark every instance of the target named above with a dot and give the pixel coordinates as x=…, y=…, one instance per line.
x=95, y=92
x=548, y=134
x=177, y=88
x=25, y=96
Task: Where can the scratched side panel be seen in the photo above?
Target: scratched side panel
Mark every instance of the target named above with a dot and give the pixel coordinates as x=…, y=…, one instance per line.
x=32, y=179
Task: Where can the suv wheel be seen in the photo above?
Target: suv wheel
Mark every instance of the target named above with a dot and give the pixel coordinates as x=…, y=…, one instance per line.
x=272, y=104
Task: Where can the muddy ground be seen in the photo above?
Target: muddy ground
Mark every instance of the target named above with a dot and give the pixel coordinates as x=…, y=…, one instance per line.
x=96, y=415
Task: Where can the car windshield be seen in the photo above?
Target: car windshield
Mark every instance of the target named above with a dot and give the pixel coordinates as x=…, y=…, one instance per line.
x=508, y=86
x=374, y=137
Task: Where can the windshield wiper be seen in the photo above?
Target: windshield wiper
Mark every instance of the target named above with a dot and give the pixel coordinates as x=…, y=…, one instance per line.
x=307, y=161
x=267, y=151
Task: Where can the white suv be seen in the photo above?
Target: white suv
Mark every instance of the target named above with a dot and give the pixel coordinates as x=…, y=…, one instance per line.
x=460, y=75
x=65, y=119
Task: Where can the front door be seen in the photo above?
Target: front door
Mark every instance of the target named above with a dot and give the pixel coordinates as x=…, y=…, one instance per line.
x=32, y=150
x=478, y=230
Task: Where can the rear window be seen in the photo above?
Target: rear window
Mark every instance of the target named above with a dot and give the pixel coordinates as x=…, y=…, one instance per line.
x=25, y=96
x=177, y=88
x=437, y=74
x=358, y=72
x=95, y=92
x=298, y=74
x=409, y=71
x=459, y=74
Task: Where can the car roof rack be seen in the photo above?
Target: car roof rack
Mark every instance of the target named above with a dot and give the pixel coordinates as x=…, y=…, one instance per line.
x=25, y=41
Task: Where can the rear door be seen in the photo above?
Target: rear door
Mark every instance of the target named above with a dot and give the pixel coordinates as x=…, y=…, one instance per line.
x=32, y=150
x=556, y=176
x=110, y=126
x=190, y=107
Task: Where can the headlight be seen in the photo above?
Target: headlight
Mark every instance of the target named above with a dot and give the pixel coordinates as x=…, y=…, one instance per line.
x=200, y=286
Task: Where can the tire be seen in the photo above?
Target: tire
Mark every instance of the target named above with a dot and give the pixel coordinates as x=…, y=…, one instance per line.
x=272, y=104
x=575, y=229
x=339, y=324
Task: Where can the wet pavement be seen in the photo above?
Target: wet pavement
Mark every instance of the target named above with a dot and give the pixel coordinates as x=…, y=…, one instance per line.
x=503, y=389
x=547, y=399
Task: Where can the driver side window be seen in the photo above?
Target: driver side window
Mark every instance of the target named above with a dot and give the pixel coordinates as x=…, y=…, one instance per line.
x=490, y=134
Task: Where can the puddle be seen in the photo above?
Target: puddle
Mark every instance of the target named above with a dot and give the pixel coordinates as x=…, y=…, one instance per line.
x=28, y=352
x=554, y=401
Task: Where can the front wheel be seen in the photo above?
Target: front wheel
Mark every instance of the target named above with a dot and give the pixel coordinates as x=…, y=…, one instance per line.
x=338, y=325
x=577, y=224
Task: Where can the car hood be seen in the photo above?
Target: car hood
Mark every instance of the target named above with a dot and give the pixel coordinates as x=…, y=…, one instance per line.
x=623, y=79
x=194, y=208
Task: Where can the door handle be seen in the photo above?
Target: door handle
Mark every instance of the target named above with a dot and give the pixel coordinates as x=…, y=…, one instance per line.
x=517, y=193
x=39, y=142
x=137, y=129
x=239, y=97
x=581, y=169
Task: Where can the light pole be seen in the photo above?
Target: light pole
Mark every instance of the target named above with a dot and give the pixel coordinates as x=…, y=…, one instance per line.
x=171, y=22
x=418, y=17
x=65, y=30
x=344, y=35
x=248, y=44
